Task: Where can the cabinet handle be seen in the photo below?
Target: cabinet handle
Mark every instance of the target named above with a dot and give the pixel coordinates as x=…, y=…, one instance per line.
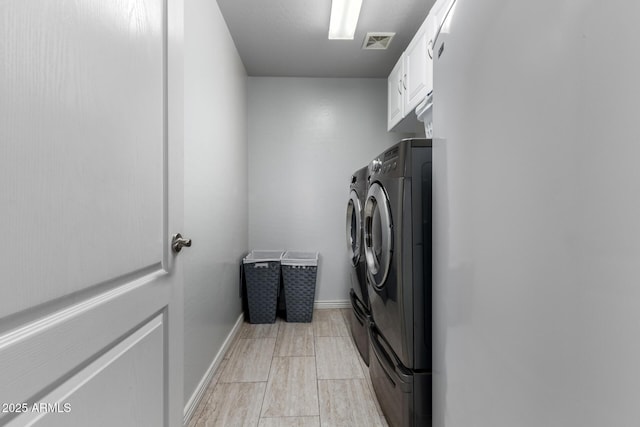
x=404, y=82
x=400, y=86
x=430, y=49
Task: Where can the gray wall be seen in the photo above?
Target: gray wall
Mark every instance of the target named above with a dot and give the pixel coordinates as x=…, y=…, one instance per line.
x=215, y=186
x=537, y=215
x=306, y=137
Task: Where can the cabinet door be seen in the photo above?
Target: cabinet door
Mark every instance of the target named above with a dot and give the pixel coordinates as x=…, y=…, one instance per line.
x=395, y=102
x=418, y=66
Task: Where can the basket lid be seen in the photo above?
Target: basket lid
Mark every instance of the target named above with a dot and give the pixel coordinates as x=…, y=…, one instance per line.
x=262, y=256
x=300, y=258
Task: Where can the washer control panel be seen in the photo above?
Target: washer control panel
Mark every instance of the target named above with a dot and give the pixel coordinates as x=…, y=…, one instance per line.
x=376, y=165
x=386, y=163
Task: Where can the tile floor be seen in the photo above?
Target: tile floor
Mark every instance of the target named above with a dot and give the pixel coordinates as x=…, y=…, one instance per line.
x=292, y=374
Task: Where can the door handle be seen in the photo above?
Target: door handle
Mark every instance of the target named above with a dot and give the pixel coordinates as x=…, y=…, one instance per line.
x=178, y=242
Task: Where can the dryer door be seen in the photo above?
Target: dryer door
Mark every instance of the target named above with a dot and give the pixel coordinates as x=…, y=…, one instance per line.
x=378, y=235
x=354, y=228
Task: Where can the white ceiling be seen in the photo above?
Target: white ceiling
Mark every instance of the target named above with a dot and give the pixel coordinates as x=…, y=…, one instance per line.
x=289, y=37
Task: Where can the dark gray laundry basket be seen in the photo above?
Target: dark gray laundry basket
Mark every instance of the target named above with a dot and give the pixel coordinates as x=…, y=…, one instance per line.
x=262, y=274
x=299, y=272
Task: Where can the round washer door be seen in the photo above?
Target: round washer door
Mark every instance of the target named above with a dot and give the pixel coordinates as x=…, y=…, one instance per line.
x=378, y=235
x=354, y=228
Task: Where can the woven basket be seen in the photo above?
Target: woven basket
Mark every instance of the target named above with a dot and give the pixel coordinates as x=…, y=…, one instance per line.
x=299, y=291
x=263, y=281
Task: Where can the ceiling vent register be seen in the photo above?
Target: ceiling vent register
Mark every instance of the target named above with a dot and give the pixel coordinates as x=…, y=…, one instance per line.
x=377, y=41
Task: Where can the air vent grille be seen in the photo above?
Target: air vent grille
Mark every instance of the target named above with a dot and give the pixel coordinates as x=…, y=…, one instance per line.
x=377, y=41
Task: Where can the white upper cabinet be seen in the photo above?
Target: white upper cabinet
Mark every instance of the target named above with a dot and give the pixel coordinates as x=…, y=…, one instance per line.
x=395, y=98
x=412, y=77
x=418, y=66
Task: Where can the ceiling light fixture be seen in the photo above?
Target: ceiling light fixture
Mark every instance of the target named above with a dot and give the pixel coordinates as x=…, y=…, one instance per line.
x=344, y=19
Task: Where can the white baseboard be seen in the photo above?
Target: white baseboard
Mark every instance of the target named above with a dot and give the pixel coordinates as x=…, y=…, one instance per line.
x=198, y=394
x=319, y=305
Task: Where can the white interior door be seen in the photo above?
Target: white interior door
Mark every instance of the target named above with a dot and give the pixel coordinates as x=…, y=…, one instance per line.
x=90, y=194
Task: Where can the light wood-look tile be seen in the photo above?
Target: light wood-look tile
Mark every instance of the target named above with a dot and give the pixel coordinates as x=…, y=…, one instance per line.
x=207, y=394
x=363, y=365
x=292, y=389
x=232, y=347
x=234, y=343
x=367, y=378
x=347, y=403
x=346, y=312
x=383, y=420
x=250, y=361
x=290, y=395
x=337, y=358
x=290, y=422
x=329, y=323
x=263, y=330
x=233, y=404
x=295, y=339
